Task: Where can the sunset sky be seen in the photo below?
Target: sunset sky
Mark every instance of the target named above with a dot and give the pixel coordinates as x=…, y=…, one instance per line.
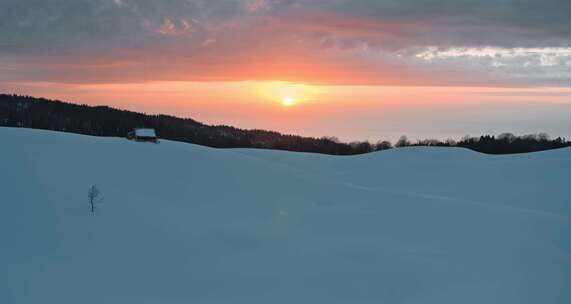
x=355, y=69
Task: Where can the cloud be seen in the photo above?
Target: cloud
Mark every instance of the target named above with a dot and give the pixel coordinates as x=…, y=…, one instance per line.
x=429, y=42
x=119, y=2
x=180, y=27
x=257, y=5
x=523, y=58
x=542, y=65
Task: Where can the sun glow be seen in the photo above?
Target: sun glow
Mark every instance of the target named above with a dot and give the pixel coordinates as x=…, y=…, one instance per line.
x=287, y=94
x=288, y=101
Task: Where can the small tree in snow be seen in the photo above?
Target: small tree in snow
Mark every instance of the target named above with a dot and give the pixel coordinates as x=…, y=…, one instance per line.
x=93, y=194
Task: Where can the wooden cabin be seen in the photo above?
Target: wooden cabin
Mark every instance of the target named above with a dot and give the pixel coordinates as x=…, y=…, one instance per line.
x=148, y=135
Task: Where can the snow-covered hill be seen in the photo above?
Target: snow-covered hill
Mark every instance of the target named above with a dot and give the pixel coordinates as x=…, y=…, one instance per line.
x=187, y=224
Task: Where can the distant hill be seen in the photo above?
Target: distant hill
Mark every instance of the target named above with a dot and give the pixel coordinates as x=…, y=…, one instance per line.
x=41, y=113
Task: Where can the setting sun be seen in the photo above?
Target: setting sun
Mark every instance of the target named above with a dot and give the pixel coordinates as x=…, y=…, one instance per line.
x=287, y=94
x=288, y=101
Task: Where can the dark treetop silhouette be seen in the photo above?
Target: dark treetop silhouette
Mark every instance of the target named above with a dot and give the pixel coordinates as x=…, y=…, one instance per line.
x=41, y=113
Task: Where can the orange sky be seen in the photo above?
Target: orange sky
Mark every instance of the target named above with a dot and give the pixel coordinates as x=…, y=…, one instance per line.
x=349, y=112
x=356, y=69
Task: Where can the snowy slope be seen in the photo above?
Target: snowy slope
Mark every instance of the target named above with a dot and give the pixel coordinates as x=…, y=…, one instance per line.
x=187, y=224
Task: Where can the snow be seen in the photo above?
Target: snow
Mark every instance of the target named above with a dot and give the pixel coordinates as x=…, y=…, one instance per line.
x=145, y=133
x=202, y=225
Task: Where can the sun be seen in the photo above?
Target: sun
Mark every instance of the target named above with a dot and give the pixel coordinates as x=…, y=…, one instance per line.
x=288, y=101
x=286, y=94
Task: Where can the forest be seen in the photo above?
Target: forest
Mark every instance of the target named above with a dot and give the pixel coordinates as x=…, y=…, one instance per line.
x=41, y=113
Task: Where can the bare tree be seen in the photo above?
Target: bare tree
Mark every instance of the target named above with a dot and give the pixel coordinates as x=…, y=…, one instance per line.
x=383, y=145
x=93, y=194
x=402, y=142
x=450, y=142
x=543, y=137
x=507, y=137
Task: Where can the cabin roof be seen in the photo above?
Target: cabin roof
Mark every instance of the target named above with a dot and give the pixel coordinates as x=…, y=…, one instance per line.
x=145, y=133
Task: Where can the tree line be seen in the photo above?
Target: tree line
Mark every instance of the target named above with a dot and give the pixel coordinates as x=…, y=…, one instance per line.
x=505, y=143
x=41, y=113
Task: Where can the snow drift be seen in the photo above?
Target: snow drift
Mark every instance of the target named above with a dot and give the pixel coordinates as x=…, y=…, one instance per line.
x=187, y=224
